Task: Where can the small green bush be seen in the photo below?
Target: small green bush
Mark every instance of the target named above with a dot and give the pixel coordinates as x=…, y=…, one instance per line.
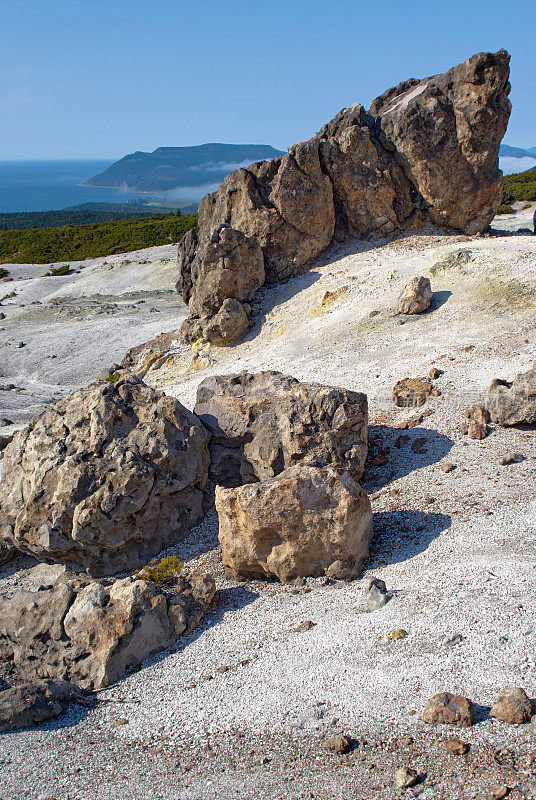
x=113, y=377
x=504, y=208
x=3, y=273
x=162, y=572
x=58, y=271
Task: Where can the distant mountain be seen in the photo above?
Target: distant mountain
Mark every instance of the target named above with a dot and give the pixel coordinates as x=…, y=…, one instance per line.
x=170, y=168
x=506, y=150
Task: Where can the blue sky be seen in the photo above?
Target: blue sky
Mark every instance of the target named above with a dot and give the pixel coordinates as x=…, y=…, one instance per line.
x=101, y=78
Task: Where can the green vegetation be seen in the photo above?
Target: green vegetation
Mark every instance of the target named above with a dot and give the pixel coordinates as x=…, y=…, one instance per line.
x=113, y=377
x=82, y=214
x=505, y=208
x=3, y=272
x=64, y=270
x=519, y=186
x=77, y=242
x=162, y=572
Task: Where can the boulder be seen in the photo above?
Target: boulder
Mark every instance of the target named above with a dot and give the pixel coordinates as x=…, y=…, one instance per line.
x=416, y=296
x=410, y=392
x=263, y=423
x=228, y=324
x=513, y=706
x=426, y=149
x=306, y=521
x=107, y=478
x=513, y=403
x=90, y=632
x=449, y=709
x=31, y=703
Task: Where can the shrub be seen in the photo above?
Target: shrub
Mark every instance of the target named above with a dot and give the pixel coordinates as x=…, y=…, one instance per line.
x=504, y=208
x=165, y=571
x=3, y=273
x=64, y=270
x=113, y=377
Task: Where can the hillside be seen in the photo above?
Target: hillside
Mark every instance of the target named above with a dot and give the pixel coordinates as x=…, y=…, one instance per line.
x=507, y=150
x=81, y=214
x=170, y=167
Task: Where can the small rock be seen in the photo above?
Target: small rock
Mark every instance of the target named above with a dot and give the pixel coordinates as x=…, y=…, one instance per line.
x=451, y=641
x=406, y=777
x=411, y=391
x=376, y=594
x=511, y=458
x=477, y=430
x=456, y=747
x=337, y=744
x=513, y=706
x=118, y=722
x=400, y=633
x=498, y=792
x=477, y=413
x=447, y=466
x=305, y=626
x=449, y=709
x=416, y=296
x=21, y=344
x=435, y=373
x=407, y=740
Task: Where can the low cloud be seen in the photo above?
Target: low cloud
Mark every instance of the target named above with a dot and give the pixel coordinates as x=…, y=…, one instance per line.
x=220, y=166
x=191, y=194
x=509, y=164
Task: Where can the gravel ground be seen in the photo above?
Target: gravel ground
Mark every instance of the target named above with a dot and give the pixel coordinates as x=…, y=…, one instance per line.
x=239, y=709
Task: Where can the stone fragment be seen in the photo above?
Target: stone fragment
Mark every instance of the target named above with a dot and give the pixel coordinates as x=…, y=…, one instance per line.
x=513, y=706
x=447, y=466
x=511, y=458
x=477, y=430
x=416, y=296
x=435, y=373
x=305, y=626
x=478, y=413
x=264, y=423
x=338, y=744
x=513, y=403
x=411, y=391
x=376, y=594
x=107, y=478
x=406, y=777
x=449, y=709
x=397, y=635
x=90, y=632
x=456, y=747
x=31, y=703
x=500, y=791
x=306, y=521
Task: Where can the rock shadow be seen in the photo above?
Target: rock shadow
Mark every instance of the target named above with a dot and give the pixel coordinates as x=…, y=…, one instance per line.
x=438, y=299
x=69, y=718
x=481, y=712
x=404, y=451
x=402, y=534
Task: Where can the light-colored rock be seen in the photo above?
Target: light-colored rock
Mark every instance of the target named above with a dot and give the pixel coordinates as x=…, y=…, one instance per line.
x=513, y=706
x=305, y=521
x=477, y=430
x=456, y=747
x=31, y=703
x=91, y=632
x=230, y=322
x=449, y=709
x=264, y=423
x=416, y=296
x=107, y=477
x=406, y=777
x=513, y=403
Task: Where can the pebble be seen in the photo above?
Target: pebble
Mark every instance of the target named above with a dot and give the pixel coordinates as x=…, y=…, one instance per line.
x=406, y=777
x=456, y=747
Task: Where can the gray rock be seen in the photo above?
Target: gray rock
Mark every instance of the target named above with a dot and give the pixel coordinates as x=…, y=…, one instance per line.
x=513, y=403
x=376, y=594
x=107, y=477
x=264, y=423
x=31, y=703
x=91, y=632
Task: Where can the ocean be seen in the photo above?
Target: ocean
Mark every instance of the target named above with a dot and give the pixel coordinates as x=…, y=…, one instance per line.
x=53, y=185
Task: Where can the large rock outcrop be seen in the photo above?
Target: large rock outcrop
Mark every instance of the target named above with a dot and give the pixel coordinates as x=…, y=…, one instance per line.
x=90, y=632
x=305, y=521
x=263, y=423
x=107, y=478
x=426, y=149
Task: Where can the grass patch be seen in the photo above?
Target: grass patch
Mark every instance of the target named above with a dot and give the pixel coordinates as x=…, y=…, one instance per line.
x=3, y=272
x=58, y=271
x=113, y=377
x=505, y=208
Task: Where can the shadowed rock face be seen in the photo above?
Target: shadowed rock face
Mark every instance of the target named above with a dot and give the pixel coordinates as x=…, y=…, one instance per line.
x=425, y=150
x=107, y=477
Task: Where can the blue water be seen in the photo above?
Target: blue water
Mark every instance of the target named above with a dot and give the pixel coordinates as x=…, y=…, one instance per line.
x=51, y=185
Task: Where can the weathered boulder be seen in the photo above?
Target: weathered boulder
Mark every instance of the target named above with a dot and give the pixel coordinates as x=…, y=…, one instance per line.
x=449, y=709
x=90, y=632
x=410, y=392
x=446, y=131
x=425, y=149
x=416, y=296
x=228, y=324
x=513, y=706
x=263, y=423
x=305, y=521
x=31, y=703
x=513, y=403
x=107, y=478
